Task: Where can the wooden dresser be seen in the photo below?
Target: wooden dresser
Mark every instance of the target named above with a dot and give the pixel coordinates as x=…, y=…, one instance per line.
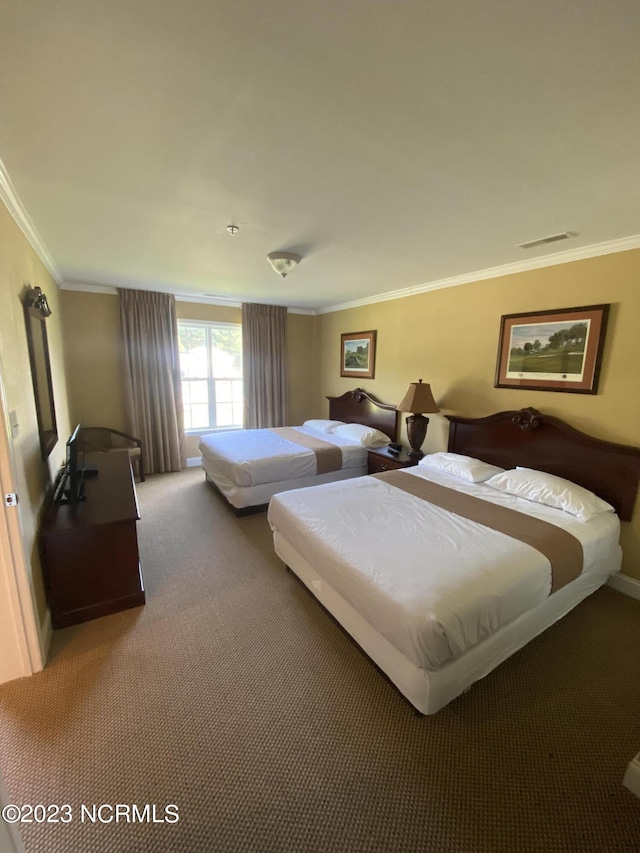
x=90, y=549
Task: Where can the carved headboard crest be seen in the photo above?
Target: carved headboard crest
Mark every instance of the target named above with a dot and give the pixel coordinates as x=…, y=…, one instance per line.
x=528, y=418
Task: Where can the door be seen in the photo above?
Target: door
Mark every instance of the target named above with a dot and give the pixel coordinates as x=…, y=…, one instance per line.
x=20, y=652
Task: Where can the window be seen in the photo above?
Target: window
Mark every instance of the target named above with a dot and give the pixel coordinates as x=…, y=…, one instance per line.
x=211, y=372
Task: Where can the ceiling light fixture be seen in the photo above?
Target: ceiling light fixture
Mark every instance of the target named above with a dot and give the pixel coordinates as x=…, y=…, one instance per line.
x=283, y=262
x=232, y=229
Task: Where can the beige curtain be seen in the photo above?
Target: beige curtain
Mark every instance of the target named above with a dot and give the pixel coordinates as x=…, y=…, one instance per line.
x=153, y=391
x=264, y=365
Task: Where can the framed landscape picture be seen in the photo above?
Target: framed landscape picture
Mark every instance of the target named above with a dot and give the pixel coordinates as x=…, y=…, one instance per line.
x=358, y=354
x=558, y=350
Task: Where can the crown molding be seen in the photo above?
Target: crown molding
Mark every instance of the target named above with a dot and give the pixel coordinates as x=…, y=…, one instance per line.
x=232, y=303
x=84, y=287
x=16, y=208
x=623, y=244
x=88, y=288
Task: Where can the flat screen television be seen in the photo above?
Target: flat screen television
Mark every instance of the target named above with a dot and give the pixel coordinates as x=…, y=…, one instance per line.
x=70, y=488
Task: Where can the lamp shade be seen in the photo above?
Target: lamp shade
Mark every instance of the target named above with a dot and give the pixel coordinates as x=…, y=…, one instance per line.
x=418, y=399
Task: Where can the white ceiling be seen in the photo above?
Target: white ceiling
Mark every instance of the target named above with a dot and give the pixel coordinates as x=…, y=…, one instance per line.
x=391, y=143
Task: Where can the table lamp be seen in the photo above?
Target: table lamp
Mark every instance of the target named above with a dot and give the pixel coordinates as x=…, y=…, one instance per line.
x=417, y=400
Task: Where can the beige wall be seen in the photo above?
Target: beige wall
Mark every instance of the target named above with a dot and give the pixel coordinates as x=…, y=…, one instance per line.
x=94, y=368
x=92, y=358
x=449, y=338
x=19, y=266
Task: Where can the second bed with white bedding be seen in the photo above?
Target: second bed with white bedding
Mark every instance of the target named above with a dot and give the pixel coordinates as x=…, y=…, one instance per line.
x=256, y=456
x=249, y=466
x=432, y=583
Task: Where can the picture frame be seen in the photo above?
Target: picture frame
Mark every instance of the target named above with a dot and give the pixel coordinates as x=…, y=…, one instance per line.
x=358, y=354
x=557, y=350
x=36, y=310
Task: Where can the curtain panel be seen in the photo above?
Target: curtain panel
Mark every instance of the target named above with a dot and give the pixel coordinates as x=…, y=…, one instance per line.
x=264, y=365
x=153, y=390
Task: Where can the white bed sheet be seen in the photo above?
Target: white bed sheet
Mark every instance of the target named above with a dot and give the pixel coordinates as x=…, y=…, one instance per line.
x=242, y=497
x=253, y=457
x=432, y=584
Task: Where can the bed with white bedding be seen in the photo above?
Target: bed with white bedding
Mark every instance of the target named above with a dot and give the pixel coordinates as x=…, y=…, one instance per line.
x=247, y=467
x=438, y=599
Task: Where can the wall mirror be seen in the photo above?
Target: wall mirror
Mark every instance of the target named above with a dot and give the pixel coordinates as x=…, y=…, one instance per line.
x=36, y=311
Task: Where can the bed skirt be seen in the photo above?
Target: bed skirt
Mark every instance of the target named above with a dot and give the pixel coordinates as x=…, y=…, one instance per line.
x=242, y=497
x=430, y=690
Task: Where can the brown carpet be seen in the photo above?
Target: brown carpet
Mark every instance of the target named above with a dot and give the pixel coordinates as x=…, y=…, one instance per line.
x=235, y=696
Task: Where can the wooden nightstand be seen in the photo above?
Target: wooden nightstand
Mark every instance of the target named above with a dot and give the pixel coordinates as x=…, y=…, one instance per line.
x=380, y=459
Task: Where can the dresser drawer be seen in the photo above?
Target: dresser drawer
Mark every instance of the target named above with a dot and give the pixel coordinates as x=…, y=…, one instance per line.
x=381, y=460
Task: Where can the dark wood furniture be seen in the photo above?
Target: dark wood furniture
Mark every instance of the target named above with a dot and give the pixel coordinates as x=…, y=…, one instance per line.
x=360, y=407
x=381, y=459
x=90, y=549
x=109, y=440
x=532, y=440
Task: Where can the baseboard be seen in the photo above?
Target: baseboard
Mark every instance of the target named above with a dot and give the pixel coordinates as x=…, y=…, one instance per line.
x=194, y=461
x=623, y=583
x=632, y=776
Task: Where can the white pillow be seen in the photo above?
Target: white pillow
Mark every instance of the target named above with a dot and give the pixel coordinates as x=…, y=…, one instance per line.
x=463, y=467
x=550, y=490
x=322, y=425
x=367, y=436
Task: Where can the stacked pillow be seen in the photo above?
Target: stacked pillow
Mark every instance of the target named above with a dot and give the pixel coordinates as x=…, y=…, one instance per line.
x=463, y=467
x=526, y=483
x=322, y=425
x=367, y=436
x=550, y=490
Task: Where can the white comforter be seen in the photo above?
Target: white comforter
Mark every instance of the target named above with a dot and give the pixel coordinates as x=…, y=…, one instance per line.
x=432, y=583
x=251, y=457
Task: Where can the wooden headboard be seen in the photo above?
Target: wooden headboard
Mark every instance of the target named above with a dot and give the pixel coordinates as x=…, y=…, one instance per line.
x=360, y=407
x=533, y=440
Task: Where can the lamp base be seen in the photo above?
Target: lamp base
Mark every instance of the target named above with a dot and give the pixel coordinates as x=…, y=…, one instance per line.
x=416, y=433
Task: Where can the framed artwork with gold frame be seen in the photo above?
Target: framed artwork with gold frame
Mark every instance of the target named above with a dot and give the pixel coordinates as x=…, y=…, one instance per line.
x=558, y=350
x=358, y=354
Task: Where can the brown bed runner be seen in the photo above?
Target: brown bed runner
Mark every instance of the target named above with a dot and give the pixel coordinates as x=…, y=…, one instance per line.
x=328, y=456
x=563, y=550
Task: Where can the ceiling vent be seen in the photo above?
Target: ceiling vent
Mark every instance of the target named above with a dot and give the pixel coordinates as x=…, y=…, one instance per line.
x=543, y=240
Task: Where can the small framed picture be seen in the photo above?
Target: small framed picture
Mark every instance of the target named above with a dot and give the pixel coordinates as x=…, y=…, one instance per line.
x=358, y=354
x=559, y=350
